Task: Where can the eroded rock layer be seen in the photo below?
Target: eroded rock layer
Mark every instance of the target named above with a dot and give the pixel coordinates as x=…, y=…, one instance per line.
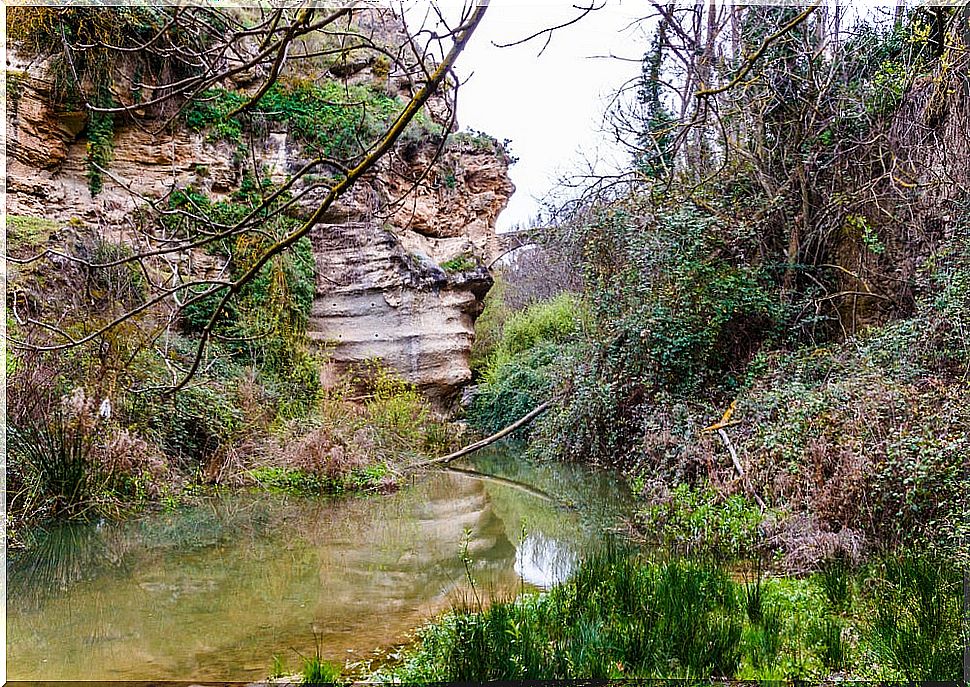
x=376, y=300
x=381, y=289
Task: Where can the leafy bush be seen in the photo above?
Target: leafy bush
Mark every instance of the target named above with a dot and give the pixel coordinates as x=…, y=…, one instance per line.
x=702, y=521
x=676, y=315
x=329, y=117
x=285, y=480
x=519, y=372
x=191, y=425
x=401, y=419
x=836, y=437
x=119, y=284
x=554, y=321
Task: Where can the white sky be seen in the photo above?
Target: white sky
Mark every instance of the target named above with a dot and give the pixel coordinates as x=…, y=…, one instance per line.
x=550, y=106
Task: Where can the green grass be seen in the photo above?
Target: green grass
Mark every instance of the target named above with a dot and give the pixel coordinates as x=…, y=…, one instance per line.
x=621, y=615
x=915, y=627
x=316, y=671
x=55, y=454
x=285, y=480
x=25, y=232
x=461, y=263
x=616, y=617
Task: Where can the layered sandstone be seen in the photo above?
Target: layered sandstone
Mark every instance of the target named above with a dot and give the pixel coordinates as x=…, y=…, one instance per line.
x=381, y=290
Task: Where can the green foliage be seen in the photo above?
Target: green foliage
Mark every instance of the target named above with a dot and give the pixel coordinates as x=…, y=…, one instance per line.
x=676, y=315
x=654, y=157
x=82, y=45
x=210, y=111
x=513, y=388
x=623, y=616
x=317, y=671
x=481, y=142
x=488, y=326
x=265, y=325
x=329, y=118
x=399, y=415
x=702, y=521
x=680, y=311
x=122, y=284
x=100, y=134
x=854, y=446
x=616, y=617
x=555, y=321
x=835, y=578
x=917, y=626
x=25, y=232
x=279, y=666
x=519, y=373
x=190, y=425
x=461, y=263
x=285, y=480
x=830, y=634
x=856, y=226
x=55, y=453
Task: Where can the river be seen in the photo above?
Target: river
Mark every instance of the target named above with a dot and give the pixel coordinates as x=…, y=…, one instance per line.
x=215, y=590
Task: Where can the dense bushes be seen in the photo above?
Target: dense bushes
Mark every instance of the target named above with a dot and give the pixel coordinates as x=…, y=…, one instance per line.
x=675, y=314
x=518, y=372
x=853, y=443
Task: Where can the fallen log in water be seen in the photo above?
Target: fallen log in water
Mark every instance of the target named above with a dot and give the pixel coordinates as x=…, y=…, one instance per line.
x=471, y=448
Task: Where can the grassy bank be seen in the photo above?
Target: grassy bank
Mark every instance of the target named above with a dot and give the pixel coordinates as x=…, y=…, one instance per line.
x=624, y=616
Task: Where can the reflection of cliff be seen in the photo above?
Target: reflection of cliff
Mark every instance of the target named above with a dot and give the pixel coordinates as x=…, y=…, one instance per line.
x=268, y=574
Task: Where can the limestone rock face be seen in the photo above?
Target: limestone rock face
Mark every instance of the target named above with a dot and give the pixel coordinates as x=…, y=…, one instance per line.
x=381, y=290
x=376, y=300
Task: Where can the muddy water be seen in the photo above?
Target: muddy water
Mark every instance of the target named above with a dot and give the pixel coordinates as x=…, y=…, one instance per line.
x=216, y=590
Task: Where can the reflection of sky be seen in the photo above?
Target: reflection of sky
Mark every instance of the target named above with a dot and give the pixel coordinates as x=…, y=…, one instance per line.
x=214, y=590
x=542, y=561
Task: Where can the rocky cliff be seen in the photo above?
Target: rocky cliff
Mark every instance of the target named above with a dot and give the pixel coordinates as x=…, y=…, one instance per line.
x=399, y=259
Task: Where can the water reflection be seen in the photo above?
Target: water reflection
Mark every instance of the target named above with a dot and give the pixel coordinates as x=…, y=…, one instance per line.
x=213, y=592
x=544, y=562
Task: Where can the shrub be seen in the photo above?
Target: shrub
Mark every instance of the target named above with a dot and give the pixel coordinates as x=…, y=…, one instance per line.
x=191, y=425
x=56, y=454
x=676, y=315
x=461, y=263
x=26, y=232
x=615, y=617
x=488, y=326
x=519, y=370
x=836, y=437
x=554, y=321
x=702, y=521
x=513, y=388
x=329, y=117
x=122, y=284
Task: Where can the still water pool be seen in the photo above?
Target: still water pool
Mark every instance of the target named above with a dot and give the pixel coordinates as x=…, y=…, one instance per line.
x=214, y=591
